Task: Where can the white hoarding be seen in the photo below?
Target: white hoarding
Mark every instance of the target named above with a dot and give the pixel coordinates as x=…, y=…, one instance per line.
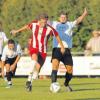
x=82, y=66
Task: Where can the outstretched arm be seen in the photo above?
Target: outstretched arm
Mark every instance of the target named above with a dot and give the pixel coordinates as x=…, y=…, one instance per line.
x=80, y=19
x=19, y=30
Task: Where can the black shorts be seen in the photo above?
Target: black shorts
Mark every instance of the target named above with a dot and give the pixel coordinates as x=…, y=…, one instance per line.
x=10, y=60
x=41, y=60
x=0, y=57
x=66, y=58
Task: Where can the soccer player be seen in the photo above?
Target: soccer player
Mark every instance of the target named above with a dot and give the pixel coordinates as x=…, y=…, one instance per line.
x=41, y=32
x=3, y=39
x=64, y=28
x=10, y=57
x=93, y=45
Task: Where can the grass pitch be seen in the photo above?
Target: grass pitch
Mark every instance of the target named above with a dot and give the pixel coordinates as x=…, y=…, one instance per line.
x=83, y=89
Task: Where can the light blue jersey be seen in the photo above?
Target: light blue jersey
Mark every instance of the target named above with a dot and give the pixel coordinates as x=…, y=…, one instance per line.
x=65, y=32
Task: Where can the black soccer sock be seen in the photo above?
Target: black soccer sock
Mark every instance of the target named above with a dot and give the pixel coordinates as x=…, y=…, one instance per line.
x=8, y=76
x=68, y=77
x=11, y=73
x=54, y=76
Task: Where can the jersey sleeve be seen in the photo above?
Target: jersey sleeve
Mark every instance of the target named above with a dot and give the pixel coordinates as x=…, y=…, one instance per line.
x=31, y=24
x=73, y=24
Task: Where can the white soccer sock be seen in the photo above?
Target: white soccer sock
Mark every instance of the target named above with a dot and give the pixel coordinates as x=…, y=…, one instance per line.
x=35, y=75
x=9, y=82
x=32, y=70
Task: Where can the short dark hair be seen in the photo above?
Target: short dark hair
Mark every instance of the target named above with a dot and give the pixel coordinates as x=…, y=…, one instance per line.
x=42, y=16
x=11, y=41
x=63, y=13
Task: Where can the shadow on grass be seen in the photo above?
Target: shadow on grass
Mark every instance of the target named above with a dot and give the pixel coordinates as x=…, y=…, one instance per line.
x=92, y=89
x=85, y=84
x=87, y=99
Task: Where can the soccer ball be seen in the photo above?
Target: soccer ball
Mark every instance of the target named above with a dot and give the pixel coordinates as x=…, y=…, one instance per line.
x=55, y=87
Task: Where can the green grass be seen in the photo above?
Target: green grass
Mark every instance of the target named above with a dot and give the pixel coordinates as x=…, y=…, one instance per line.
x=84, y=89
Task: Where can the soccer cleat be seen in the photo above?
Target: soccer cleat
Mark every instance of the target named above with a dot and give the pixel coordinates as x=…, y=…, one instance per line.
x=28, y=86
x=9, y=86
x=69, y=89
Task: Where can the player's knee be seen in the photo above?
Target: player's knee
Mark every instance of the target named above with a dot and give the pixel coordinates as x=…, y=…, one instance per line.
x=69, y=69
x=34, y=57
x=55, y=64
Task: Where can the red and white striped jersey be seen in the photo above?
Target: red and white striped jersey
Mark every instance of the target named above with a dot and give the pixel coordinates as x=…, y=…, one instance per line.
x=41, y=35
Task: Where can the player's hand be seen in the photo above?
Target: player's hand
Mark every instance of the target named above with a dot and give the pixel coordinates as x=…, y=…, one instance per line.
x=62, y=50
x=13, y=32
x=85, y=11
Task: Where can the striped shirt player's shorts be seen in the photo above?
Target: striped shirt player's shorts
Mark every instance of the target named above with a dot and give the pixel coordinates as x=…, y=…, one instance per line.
x=66, y=58
x=41, y=55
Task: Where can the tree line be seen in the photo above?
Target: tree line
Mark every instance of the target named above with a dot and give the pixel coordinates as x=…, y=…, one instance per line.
x=16, y=13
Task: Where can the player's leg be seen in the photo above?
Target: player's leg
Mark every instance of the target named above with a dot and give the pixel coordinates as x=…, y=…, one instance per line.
x=56, y=56
x=8, y=75
x=68, y=77
x=34, y=58
x=35, y=71
x=68, y=62
x=55, y=66
x=13, y=68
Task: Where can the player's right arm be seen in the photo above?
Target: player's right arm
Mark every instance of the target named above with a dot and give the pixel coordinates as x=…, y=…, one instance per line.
x=19, y=30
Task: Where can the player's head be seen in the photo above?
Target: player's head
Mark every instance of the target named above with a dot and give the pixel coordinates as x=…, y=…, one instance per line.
x=63, y=17
x=11, y=44
x=43, y=18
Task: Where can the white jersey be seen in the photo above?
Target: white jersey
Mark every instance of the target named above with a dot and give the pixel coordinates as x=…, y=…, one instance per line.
x=3, y=39
x=7, y=53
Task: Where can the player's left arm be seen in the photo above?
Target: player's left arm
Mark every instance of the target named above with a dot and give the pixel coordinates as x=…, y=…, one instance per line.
x=80, y=19
x=61, y=44
x=16, y=61
x=13, y=66
x=19, y=53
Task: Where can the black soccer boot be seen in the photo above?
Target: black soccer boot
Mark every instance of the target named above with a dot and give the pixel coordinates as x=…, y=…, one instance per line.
x=69, y=89
x=28, y=86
